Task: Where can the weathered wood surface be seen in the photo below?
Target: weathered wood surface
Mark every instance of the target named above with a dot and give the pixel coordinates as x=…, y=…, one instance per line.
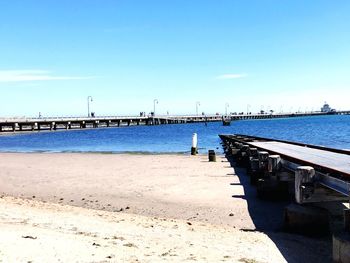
x=334, y=161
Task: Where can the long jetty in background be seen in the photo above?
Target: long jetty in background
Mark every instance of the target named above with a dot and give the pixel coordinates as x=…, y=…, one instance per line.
x=56, y=123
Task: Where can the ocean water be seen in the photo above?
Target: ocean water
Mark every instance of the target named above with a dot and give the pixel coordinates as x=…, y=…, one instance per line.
x=332, y=131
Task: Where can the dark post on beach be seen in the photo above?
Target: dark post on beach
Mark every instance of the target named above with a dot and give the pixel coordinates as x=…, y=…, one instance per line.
x=211, y=156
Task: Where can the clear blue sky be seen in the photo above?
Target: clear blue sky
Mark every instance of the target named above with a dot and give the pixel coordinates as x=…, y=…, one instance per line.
x=271, y=54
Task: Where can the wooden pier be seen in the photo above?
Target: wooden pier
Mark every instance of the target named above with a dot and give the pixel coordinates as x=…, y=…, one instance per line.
x=312, y=175
x=331, y=166
x=67, y=123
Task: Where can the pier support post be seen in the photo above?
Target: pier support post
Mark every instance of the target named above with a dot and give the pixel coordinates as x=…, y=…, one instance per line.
x=304, y=183
x=253, y=152
x=232, y=150
x=263, y=160
x=270, y=187
x=253, y=166
x=262, y=167
x=242, y=156
x=252, y=159
x=238, y=145
x=274, y=164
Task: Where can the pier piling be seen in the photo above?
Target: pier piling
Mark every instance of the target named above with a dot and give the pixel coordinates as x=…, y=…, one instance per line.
x=304, y=183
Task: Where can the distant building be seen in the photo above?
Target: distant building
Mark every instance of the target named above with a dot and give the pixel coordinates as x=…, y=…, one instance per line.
x=327, y=108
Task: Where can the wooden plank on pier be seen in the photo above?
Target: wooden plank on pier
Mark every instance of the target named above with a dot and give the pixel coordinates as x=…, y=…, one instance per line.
x=334, y=161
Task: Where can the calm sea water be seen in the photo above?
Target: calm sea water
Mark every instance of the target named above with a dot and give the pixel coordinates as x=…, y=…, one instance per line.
x=331, y=131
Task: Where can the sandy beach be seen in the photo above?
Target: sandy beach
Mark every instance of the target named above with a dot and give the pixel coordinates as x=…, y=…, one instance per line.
x=139, y=208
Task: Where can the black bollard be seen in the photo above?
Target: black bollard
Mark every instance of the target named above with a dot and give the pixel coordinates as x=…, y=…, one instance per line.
x=211, y=156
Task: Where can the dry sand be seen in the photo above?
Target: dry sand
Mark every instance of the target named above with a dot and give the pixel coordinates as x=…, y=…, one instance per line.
x=146, y=208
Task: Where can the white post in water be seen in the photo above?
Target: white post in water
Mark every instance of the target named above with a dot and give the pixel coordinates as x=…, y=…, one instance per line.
x=194, y=144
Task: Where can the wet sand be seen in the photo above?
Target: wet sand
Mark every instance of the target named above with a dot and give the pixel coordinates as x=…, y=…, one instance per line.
x=175, y=186
x=163, y=202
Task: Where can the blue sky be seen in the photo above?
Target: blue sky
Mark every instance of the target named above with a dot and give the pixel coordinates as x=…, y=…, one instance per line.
x=281, y=55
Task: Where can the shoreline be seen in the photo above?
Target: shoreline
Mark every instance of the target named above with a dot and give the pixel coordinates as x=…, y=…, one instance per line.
x=150, y=185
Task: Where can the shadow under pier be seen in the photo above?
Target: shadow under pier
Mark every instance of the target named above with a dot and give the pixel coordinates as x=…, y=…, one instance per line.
x=267, y=217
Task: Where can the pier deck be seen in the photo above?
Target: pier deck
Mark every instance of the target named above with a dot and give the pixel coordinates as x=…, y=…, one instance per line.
x=336, y=162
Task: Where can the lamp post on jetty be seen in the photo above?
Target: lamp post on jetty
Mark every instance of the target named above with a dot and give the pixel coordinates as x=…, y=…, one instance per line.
x=197, y=105
x=89, y=98
x=155, y=101
x=226, y=106
x=248, y=108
